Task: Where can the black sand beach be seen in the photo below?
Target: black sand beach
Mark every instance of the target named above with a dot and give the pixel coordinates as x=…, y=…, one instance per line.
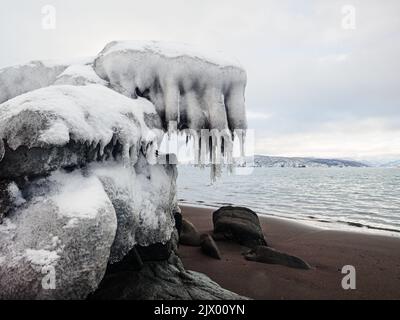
x=376, y=259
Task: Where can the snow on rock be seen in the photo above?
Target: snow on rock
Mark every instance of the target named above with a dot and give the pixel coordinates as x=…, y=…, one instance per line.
x=41, y=257
x=79, y=75
x=81, y=181
x=37, y=244
x=15, y=194
x=143, y=197
x=94, y=114
x=196, y=89
x=54, y=127
x=19, y=79
x=190, y=89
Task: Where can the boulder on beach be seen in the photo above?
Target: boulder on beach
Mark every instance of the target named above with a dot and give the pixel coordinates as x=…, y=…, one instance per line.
x=209, y=247
x=238, y=224
x=271, y=256
x=189, y=234
x=160, y=280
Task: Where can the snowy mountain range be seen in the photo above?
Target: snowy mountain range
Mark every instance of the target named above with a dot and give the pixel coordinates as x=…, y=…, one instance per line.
x=289, y=162
x=392, y=164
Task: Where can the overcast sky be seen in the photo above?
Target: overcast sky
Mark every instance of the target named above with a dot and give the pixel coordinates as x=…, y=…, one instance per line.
x=315, y=86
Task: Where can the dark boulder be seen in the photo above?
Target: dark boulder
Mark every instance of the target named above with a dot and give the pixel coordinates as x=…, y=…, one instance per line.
x=155, y=252
x=189, y=234
x=209, y=247
x=178, y=221
x=271, y=256
x=131, y=261
x=5, y=201
x=238, y=224
x=160, y=280
x=35, y=161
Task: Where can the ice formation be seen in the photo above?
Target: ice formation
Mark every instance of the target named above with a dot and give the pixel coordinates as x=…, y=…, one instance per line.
x=57, y=230
x=191, y=91
x=92, y=114
x=82, y=181
x=79, y=75
x=102, y=137
x=23, y=78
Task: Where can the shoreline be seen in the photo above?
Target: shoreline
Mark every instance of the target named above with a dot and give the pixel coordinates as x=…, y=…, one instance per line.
x=312, y=221
x=376, y=259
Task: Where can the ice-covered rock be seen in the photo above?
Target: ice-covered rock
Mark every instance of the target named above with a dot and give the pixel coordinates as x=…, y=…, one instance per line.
x=190, y=89
x=60, y=117
x=196, y=89
x=117, y=201
x=79, y=75
x=57, y=244
x=144, y=200
x=83, y=184
x=23, y=78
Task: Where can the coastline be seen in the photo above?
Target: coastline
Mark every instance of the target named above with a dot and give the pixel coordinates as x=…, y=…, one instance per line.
x=314, y=222
x=375, y=257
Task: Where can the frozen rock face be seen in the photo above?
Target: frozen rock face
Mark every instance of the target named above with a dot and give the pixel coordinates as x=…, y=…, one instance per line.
x=90, y=115
x=79, y=75
x=106, y=199
x=144, y=199
x=191, y=91
x=56, y=244
x=83, y=185
x=197, y=90
x=23, y=78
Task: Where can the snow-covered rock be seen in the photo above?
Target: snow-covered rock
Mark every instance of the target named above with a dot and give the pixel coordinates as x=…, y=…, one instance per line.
x=61, y=234
x=58, y=116
x=82, y=182
x=23, y=78
x=69, y=127
x=195, y=89
x=79, y=75
x=144, y=200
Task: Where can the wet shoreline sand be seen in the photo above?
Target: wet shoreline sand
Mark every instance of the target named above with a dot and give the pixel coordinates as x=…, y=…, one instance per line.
x=376, y=259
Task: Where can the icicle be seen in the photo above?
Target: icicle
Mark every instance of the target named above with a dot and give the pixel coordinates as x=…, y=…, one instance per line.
x=196, y=149
x=212, y=174
x=201, y=152
x=108, y=153
x=228, y=148
x=93, y=147
x=101, y=148
x=241, y=136
x=125, y=154
x=2, y=149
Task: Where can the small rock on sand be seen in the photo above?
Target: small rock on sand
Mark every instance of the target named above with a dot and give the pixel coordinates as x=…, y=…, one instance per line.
x=189, y=234
x=271, y=256
x=209, y=247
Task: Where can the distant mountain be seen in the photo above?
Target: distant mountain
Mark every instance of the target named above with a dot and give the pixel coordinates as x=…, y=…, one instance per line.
x=287, y=162
x=392, y=164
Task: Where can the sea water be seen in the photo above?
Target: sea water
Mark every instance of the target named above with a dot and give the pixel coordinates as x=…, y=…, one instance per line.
x=362, y=198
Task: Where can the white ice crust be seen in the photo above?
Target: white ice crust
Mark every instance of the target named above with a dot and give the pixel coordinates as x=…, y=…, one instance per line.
x=89, y=114
x=19, y=79
x=39, y=238
x=194, y=89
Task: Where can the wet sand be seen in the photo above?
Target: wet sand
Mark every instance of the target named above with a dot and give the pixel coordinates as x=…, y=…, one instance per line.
x=375, y=257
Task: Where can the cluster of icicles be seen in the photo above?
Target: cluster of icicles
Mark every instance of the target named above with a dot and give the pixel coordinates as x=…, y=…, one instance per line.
x=206, y=148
